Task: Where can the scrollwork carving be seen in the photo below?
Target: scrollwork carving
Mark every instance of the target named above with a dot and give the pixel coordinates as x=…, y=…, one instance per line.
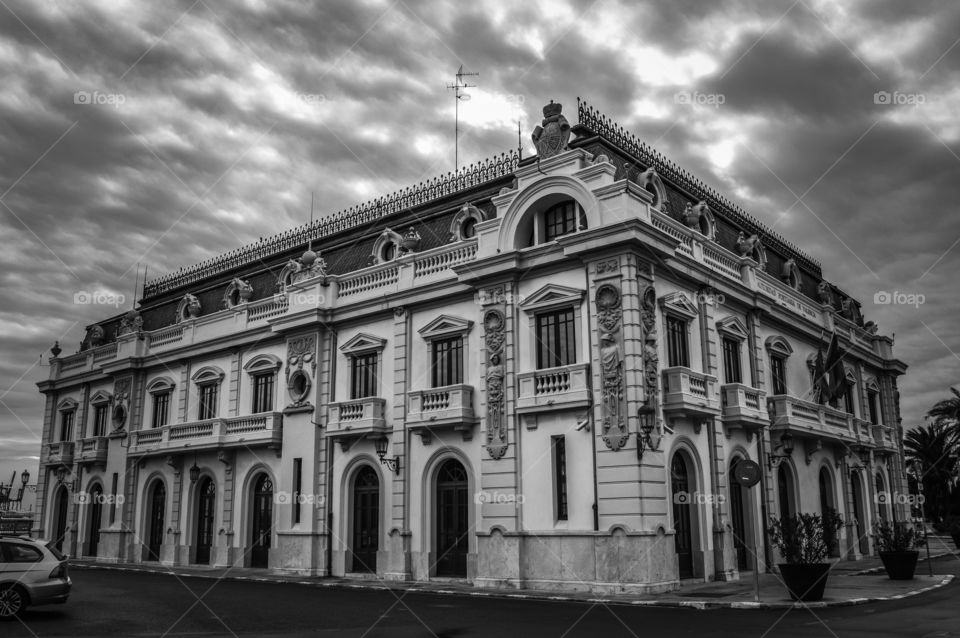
x=494, y=325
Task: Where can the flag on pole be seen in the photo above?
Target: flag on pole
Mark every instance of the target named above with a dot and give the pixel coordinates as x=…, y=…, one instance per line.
x=820, y=384
x=834, y=369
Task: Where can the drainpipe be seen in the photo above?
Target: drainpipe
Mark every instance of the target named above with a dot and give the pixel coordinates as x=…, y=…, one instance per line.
x=593, y=433
x=331, y=385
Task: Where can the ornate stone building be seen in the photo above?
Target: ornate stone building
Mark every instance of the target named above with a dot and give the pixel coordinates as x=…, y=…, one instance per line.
x=534, y=373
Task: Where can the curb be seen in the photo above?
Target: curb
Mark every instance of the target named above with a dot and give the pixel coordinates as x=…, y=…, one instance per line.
x=679, y=604
x=880, y=570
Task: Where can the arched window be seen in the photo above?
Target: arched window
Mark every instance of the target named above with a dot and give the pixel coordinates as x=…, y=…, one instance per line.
x=785, y=497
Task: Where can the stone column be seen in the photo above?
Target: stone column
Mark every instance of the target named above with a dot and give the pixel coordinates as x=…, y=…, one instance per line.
x=397, y=557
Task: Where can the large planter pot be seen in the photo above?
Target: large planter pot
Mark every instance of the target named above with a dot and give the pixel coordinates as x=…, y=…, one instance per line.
x=805, y=582
x=900, y=565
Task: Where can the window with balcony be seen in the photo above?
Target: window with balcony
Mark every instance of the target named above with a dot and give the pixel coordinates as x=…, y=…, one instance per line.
x=678, y=353
x=559, y=445
x=778, y=374
x=778, y=350
x=447, y=362
x=731, y=361
x=873, y=403
x=363, y=375
x=66, y=424
x=208, y=401
x=850, y=393
x=556, y=338
x=263, y=385
x=100, y=415
x=161, y=409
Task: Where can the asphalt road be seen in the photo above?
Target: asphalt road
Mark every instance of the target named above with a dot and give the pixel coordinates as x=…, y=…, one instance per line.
x=113, y=603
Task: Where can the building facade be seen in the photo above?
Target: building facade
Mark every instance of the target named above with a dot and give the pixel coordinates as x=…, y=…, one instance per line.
x=535, y=373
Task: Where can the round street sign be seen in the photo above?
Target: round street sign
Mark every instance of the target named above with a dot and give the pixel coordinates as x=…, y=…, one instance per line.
x=747, y=473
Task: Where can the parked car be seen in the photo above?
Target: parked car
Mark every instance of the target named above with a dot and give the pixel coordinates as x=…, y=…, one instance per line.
x=32, y=572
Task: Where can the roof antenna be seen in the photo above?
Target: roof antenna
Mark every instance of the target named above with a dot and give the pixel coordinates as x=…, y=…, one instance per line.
x=136, y=285
x=143, y=290
x=519, y=141
x=310, y=227
x=457, y=95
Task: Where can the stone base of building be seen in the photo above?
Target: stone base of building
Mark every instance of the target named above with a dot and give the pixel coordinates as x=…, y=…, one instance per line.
x=301, y=553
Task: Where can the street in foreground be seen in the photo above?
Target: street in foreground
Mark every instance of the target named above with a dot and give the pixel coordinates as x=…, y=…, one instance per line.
x=108, y=602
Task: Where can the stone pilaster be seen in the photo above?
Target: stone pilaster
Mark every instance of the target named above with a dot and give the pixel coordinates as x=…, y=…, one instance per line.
x=80, y=427
x=236, y=370
x=49, y=413
x=399, y=565
x=183, y=392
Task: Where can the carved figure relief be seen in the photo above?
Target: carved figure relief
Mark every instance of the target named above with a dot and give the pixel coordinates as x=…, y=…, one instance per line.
x=651, y=358
x=609, y=317
x=131, y=322
x=825, y=293
x=239, y=291
x=790, y=274
x=95, y=337
x=494, y=326
x=121, y=403
x=188, y=308
x=311, y=265
x=552, y=135
x=301, y=351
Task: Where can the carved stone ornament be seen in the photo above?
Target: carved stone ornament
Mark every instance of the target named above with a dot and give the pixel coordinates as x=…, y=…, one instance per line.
x=300, y=351
x=611, y=265
x=121, y=403
x=311, y=265
x=790, y=274
x=95, y=337
x=411, y=241
x=132, y=322
x=613, y=428
x=553, y=134
x=188, y=308
x=239, y=291
x=651, y=358
x=825, y=293
x=494, y=325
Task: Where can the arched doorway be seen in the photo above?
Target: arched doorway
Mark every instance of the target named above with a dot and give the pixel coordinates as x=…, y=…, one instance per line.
x=59, y=517
x=95, y=507
x=206, y=502
x=859, y=513
x=785, y=498
x=682, y=515
x=739, y=501
x=366, y=520
x=452, y=518
x=158, y=502
x=262, y=524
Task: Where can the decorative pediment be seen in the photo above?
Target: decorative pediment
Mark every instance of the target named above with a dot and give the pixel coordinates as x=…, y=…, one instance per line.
x=208, y=374
x=263, y=363
x=849, y=375
x=778, y=345
x=100, y=397
x=160, y=385
x=872, y=384
x=444, y=326
x=733, y=327
x=552, y=296
x=67, y=405
x=679, y=304
x=363, y=343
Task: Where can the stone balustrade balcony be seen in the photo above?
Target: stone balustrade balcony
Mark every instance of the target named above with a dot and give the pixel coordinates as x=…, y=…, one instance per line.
x=743, y=406
x=687, y=393
x=561, y=388
x=884, y=438
x=60, y=453
x=93, y=450
x=812, y=420
x=439, y=408
x=261, y=430
x=348, y=420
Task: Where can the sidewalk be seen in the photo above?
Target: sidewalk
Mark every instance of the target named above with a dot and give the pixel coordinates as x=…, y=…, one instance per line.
x=850, y=583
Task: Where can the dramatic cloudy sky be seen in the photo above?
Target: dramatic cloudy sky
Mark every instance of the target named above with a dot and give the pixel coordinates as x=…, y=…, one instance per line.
x=163, y=133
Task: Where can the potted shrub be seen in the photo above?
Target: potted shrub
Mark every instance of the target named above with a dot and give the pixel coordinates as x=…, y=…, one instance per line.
x=801, y=542
x=897, y=545
x=832, y=524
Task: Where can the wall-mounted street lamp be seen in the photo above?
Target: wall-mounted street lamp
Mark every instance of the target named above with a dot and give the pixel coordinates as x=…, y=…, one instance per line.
x=62, y=473
x=194, y=470
x=391, y=463
x=786, y=444
x=648, y=436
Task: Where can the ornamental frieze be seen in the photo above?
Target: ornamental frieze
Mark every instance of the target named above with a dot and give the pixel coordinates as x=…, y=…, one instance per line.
x=494, y=327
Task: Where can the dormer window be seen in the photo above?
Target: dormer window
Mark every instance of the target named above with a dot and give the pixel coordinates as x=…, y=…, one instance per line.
x=388, y=252
x=468, y=229
x=550, y=218
x=560, y=219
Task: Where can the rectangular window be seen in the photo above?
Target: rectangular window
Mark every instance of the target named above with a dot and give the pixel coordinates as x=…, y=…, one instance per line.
x=779, y=375
x=363, y=377
x=447, y=362
x=560, y=220
x=208, y=401
x=113, y=501
x=556, y=339
x=100, y=420
x=161, y=409
x=848, y=399
x=874, y=404
x=297, y=472
x=731, y=361
x=263, y=392
x=66, y=425
x=677, y=352
x=560, y=475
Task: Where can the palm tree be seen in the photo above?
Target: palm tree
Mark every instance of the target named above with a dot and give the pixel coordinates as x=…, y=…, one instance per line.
x=933, y=448
x=947, y=411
